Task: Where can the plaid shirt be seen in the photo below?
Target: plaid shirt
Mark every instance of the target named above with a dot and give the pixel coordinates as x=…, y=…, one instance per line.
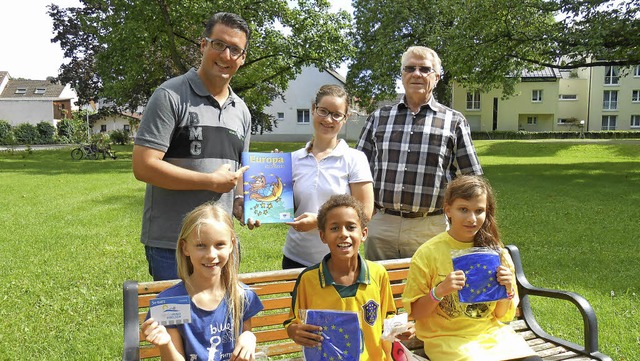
x=413, y=156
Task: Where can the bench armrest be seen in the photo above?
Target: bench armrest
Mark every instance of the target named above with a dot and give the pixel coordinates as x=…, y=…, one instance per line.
x=131, y=350
x=525, y=289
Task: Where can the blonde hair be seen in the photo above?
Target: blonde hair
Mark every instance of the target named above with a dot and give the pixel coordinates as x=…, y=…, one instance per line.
x=208, y=213
x=422, y=52
x=330, y=90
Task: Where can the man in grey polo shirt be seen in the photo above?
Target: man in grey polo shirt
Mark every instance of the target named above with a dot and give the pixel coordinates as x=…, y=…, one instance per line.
x=189, y=145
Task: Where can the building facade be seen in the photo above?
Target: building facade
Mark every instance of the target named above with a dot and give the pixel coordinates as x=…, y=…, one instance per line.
x=589, y=99
x=293, y=112
x=34, y=101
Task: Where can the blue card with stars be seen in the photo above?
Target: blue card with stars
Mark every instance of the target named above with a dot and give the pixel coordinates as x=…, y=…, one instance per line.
x=480, y=268
x=341, y=333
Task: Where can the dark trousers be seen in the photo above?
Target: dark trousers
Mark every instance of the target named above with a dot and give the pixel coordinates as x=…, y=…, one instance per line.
x=288, y=263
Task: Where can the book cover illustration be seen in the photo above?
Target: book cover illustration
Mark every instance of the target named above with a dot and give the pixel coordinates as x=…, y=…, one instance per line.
x=268, y=187
x=480, y=267
x=341, y=333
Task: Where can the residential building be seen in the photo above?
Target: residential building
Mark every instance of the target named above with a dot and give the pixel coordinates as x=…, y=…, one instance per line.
x=590, y=99
x=34, y=101
x=123, y=120
x=293, y=112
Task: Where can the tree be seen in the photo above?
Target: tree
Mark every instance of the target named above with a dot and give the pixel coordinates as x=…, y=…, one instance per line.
x=484, y=43
x=122, y=49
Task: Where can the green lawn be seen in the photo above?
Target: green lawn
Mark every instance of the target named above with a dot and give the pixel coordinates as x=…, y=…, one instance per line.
x=69, y=238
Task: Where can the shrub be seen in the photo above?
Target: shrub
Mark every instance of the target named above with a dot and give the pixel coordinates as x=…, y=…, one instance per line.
x=26, y=133
x=72, y=131
x=119, y=136
x=65, y=129
x=6, y=133
x=46, y=131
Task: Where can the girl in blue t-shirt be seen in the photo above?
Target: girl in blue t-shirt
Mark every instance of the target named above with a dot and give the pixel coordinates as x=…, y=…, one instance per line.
x=221, y=306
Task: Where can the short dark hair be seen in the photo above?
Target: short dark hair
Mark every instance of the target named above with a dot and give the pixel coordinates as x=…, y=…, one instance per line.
x=231, y=20
x=337, y=201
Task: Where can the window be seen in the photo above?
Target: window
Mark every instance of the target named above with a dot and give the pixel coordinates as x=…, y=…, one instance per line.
x=473, y=100
x=568, y=97
x=532, y=120
x=536, y=95
x=303, y=115
x=39, y=91
x=126, y=127
x=635, y=96
x=610, y=100
x=611, y=75
x=562, y=121
x=636, y=71
x=609, y=122
x=635, y=121
x=21, y=91
x=103, y=128
x=280, y=117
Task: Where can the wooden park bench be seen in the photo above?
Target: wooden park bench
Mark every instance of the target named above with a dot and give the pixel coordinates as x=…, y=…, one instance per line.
x=274, y=287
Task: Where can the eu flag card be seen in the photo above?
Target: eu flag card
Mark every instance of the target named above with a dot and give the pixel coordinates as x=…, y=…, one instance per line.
x=480, y=268
x=341, y=333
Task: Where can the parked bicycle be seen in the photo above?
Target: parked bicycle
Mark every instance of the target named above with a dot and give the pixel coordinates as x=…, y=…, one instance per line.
x=92, y=151
x=88, y=151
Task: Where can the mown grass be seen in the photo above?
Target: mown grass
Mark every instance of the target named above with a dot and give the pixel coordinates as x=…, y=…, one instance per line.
x=69, y=238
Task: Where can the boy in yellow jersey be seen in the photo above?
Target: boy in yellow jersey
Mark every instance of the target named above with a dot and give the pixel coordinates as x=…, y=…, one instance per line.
x=344, y=281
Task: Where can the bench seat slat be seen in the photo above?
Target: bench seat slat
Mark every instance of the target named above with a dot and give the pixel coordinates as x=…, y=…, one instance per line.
x=278, y=349
x=569, y=355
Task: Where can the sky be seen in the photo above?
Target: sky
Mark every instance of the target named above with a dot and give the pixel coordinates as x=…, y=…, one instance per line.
x=26, y=50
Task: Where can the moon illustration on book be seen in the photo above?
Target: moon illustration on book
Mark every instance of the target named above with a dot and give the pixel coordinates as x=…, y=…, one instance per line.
x=276, y=192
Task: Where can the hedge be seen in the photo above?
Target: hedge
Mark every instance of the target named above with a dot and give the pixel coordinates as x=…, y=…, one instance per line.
x=600, y=134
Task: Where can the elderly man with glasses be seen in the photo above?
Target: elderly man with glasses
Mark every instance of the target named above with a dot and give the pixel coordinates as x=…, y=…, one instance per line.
x=189, y=145
x=414, y=149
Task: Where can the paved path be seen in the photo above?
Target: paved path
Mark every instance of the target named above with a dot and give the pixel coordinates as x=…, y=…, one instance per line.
x=18, y=148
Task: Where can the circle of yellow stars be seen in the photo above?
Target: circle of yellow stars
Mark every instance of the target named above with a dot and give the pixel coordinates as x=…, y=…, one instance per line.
x=348, y=344
x=489, y=285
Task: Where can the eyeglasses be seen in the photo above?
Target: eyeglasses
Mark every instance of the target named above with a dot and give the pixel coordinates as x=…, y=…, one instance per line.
x=426, y=70
x=219, y=45
x=324, y=112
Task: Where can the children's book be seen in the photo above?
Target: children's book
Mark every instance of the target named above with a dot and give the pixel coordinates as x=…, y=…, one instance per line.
x=268, y=187
x=480, y=265
x=340, y=332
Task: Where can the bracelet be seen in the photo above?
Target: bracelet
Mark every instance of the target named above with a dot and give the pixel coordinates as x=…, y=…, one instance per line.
x=432, y=293
x=511, y=295
x=238, y=196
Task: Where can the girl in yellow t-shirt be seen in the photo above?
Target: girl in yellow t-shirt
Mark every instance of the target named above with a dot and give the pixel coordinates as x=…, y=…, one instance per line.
x=451, y=330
